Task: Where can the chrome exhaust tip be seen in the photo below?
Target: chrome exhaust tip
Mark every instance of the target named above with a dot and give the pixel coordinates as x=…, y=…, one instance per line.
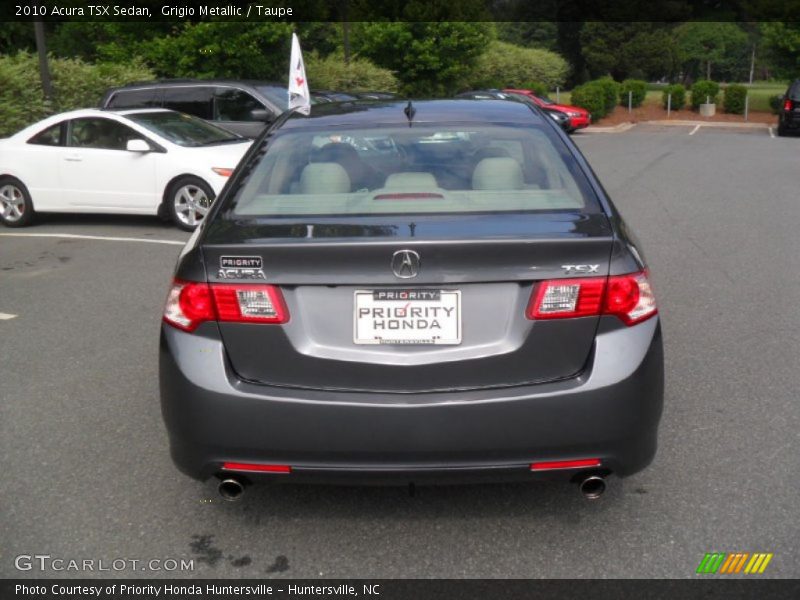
x=593, y=487
x=230, y=489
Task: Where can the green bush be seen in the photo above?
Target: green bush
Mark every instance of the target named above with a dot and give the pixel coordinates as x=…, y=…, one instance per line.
x=610, y=91
x=703, y=89
x=590, y=96
x=537, y=88
x=734, y=99
x=76, y=84
x=331, y=73
x=775, y=103
x=505, y=65
x=678, y=96
x=638, y=89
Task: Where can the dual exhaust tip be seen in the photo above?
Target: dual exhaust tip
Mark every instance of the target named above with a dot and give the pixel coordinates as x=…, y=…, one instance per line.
x=592, y=487
x=231, y=489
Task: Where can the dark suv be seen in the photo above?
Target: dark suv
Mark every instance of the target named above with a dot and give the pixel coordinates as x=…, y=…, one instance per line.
x=244, y=107
x=789, y=111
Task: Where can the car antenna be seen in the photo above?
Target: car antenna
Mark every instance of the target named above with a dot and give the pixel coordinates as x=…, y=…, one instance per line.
x=410, y=112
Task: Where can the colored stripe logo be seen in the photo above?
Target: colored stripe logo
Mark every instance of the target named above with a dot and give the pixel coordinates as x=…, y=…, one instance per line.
x=732, y=563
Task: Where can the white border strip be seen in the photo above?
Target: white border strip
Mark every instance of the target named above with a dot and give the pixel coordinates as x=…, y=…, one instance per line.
x=7, y=316
x=95, y=237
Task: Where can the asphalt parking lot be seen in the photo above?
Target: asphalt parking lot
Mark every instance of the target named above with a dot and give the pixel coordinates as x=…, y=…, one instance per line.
x=87, y=471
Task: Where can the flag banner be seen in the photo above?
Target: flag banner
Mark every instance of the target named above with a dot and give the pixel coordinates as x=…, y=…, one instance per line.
x=299, y=96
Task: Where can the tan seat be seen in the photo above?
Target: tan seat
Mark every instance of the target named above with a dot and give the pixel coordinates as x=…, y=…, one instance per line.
x=324, y=178
x=498, y=173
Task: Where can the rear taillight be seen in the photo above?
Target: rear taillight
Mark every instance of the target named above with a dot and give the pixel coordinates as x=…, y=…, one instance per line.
x=562, y=298
x=628, y=297
x=788, y=105
x=190, y=303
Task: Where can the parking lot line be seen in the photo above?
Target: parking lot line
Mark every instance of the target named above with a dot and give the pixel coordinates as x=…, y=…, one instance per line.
x=95, y=237
x=771, y=132
x=696, y=128
x=6, y=316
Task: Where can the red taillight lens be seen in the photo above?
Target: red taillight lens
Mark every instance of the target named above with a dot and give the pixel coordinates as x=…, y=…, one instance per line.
x=562, y=298
x=189, y=304
x=249, y=303
x=629, y=297
x=256, y=467
x=788, y=104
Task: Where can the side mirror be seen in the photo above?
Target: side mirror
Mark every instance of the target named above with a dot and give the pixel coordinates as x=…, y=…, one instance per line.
x=138, y=145
x=259, y=114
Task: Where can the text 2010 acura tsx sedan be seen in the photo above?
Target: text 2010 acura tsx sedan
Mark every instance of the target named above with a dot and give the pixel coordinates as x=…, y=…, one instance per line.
x=422, y=292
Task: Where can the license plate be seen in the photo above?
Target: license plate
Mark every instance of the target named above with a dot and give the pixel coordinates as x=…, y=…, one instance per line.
x=431, y=317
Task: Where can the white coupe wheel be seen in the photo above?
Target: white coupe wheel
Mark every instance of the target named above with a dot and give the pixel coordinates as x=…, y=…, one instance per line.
x=16, y=208
x=189, y=202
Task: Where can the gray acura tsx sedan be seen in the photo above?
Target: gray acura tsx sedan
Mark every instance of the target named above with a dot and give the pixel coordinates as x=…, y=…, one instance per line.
x=417, y=292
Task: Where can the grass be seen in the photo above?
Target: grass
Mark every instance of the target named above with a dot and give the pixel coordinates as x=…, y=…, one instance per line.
x=760, y=93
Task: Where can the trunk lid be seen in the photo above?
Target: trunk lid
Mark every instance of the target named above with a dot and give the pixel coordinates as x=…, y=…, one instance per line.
x=492, y=261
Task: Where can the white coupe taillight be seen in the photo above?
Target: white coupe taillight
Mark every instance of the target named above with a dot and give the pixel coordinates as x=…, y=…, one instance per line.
x=189, y=304
x=628, y=297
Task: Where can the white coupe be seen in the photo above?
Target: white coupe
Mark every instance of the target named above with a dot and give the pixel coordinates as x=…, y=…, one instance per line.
x=142, y=162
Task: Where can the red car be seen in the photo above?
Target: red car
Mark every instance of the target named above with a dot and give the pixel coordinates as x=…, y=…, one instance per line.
x=578, y=117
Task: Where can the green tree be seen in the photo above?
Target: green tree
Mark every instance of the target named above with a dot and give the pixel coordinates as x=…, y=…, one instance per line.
x=782, y=42
x=704, y=45
x=650, y=55
x=222, y=49
x=359, y=74
x=622, y=50
x=429, y=58
x=529, y=34
x=507, y=65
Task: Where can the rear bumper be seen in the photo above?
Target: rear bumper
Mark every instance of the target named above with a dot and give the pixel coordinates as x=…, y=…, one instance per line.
x=790, y=120
x=610, y=412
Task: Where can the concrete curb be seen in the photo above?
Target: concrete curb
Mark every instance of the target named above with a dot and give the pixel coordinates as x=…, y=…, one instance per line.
x=615, y=129
x=682, y=123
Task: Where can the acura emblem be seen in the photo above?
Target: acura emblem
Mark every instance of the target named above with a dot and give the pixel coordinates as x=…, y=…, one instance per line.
x=405, y=264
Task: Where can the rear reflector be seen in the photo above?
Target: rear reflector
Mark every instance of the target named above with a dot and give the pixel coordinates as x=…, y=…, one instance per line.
x=787, y=105
x=565, y=464
x=189, y=304
x=628, y=297
x=256, y=467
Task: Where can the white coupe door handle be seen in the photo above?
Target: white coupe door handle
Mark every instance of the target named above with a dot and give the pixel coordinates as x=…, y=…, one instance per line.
x=74, y=158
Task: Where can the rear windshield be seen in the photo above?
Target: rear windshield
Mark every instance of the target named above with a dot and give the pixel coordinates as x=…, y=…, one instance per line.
x=183, y=129
x=419, y=169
